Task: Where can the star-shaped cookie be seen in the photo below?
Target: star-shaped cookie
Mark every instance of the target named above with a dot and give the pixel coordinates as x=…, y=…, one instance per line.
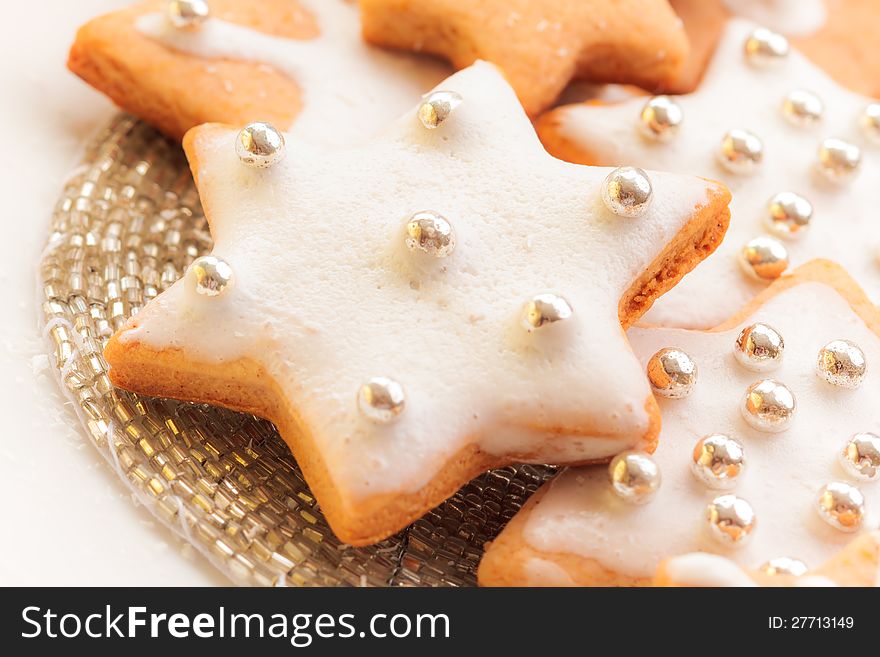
x=295, y=63
x=539, y=44
x=577, y=529
x=396, y=374
x=839, y=36
x=739, y=95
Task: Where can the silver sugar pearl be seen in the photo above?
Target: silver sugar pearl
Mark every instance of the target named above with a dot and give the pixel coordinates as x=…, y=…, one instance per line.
x=260, y=145
x=731, y=520
x=788, y=214
x=784, y=566
x=802, y=108
x=660, y=118
x=841, y=505
x=431, y=233
x=741, y=151
x=841, y=363
x=870, y=122
x=718, y=461
x=765, y=47
x=381, y=400
x=187, y=14
x=759, y=347
x=839, y=160
x=768, y=405
x=436, y=107
x=213, y=275
x=672, y=373
x=627, y=192
x=860, y=457
x=635, y=477
x=764, y=258
x=545, y=309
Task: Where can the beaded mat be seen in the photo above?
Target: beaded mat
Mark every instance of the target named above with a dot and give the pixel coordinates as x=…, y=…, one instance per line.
x=125, y=228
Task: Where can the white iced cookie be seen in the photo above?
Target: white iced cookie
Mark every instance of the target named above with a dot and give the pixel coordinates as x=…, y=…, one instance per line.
x=728, y=485
x=417, y=308
x=788, y=16
x=350, y=89
x=796, y=149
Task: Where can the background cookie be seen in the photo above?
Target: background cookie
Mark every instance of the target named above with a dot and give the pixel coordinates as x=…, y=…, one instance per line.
x=539, y=44
x=839, y=36
x=502, y=345
x=790, y=130
x=174, y=91
x=578, y=530
x=276, y=61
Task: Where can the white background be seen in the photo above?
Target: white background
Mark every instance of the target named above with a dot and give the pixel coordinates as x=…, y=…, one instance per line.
x=65, y=519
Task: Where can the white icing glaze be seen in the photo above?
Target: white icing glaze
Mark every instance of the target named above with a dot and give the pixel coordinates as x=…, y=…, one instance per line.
x=735, y=94
x=793, y=17
x=327, y=295
x=580, y=514
x=350, y=89
x=702, y=569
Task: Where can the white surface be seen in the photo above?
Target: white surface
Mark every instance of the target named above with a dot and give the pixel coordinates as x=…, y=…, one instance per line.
x=67, y=519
